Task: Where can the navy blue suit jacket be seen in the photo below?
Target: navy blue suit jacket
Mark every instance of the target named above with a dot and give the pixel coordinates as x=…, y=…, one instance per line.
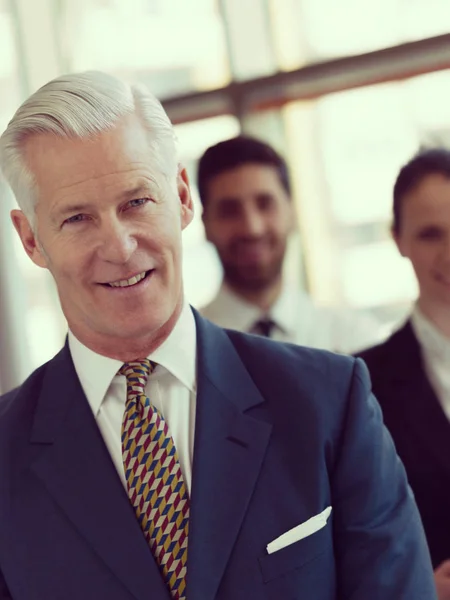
x=282, y=432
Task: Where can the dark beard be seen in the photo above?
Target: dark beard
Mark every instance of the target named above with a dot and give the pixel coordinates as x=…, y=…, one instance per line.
x=252, y=279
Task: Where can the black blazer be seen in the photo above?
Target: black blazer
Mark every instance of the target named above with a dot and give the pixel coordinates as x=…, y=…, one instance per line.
x=420, y=429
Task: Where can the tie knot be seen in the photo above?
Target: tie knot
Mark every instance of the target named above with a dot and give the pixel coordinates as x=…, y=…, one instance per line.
x=264, y=326
x=137, y=373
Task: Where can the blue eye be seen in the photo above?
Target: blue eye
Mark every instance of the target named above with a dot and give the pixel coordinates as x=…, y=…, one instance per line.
x=75, y=219
x=138, y=202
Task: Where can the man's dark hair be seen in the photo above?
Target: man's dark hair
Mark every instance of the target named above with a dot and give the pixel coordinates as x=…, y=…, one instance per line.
x=234, y=153
x=428, y=161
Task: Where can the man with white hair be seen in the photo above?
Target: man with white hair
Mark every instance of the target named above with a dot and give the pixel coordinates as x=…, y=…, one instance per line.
x=157, y=455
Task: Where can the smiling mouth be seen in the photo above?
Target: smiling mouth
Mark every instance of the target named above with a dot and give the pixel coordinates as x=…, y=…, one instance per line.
x=126, y=283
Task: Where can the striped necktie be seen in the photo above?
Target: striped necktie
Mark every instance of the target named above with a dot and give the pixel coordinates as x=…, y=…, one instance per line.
x=154, y=479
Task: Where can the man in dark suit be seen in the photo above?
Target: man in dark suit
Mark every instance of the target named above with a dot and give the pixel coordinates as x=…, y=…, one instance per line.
x=157, y=455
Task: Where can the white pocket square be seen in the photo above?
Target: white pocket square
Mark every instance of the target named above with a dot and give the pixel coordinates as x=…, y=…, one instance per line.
x=300, y=532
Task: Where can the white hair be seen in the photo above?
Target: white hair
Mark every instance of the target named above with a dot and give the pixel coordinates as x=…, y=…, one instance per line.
x=81, y=105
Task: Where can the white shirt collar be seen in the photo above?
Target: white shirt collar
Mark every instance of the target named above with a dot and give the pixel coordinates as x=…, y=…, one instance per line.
x=242, y=315
x=177, y=354
x=435, y=343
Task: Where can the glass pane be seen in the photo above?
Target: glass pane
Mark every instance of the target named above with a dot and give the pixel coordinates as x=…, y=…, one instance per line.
x=9, y=68
x=349, y=26
x=305, y=30
x=45, y=324
x=376, y=274
x=346, y=150
x=41, y=324
x=173, y=46
x=290, y=43
x=420, y=19
x=202, y=270
x=428, y=102
x=250, y=38
x=365, y=134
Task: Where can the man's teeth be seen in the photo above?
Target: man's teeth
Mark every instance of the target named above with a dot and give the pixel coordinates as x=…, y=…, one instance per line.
x=128, y=282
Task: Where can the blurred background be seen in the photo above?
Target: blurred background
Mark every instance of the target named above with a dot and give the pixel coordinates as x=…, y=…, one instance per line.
x=347, y=91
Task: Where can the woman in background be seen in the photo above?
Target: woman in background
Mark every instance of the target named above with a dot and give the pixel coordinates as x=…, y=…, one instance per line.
x=411, y=370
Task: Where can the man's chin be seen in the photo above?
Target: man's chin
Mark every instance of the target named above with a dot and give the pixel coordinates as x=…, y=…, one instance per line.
x=140, y=328
x=252, y=280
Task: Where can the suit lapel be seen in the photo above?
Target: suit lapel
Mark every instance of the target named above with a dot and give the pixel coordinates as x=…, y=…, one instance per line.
x=76, y=468
x=228, y=453
x=420, y=407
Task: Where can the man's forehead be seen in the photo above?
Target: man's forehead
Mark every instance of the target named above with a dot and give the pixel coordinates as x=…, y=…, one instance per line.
x=75, y=149
x=61, y=163
x=249, y=179
x=118, y=187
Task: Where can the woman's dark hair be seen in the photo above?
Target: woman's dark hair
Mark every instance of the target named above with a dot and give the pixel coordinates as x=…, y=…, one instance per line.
x=428, y=161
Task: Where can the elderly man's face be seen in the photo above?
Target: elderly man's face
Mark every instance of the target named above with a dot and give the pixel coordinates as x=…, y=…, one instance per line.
x=109, y=230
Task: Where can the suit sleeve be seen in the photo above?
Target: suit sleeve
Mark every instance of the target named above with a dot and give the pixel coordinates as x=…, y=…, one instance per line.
x=4, y=593
x=380, y=546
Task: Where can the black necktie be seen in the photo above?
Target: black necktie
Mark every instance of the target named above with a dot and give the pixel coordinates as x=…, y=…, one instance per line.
x=263, y=327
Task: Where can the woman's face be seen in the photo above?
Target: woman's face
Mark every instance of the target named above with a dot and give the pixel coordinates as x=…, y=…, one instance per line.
x=424, y=237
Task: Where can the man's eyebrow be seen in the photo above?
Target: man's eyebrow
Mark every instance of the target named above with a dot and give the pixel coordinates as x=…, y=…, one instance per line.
x=78, y=207
x=228, y=200
x=137, y=191
x=131, y=194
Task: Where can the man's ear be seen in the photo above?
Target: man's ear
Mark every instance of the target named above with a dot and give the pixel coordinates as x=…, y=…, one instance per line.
x=28, y=238
x=184, y=194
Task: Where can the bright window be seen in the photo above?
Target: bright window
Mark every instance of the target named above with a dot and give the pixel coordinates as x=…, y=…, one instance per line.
x=173, y=46
x=9, y=72
x=346, y=150
x=306, y=30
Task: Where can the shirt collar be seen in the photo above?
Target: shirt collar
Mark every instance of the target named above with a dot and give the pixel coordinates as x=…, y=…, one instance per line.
x=286, y=309
x=242, y=315
x=177, y=354
x=435, y=343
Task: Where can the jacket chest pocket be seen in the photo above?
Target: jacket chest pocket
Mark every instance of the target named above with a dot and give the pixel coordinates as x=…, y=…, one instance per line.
x=295, y=556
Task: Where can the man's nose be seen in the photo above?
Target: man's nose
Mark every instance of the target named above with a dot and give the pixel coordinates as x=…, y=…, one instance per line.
x=117, y=243
x=253, y=223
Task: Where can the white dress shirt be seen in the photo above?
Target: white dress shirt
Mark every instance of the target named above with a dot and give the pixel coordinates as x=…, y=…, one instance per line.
x=171, y=389
x=297, y=321
x=435, y=348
